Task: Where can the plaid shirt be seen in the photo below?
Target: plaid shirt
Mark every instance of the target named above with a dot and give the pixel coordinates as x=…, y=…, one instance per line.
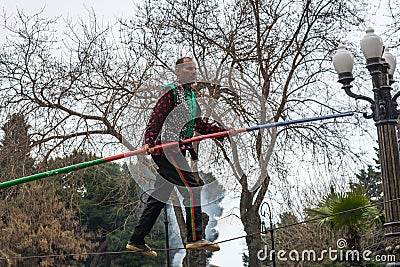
x=163, y=120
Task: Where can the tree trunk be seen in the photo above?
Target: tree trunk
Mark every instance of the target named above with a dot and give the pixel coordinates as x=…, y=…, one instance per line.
x=253, y=241
x=102, y=248
x=252, y=226
x=193, y=257
x=197, y=257
x=353, y=239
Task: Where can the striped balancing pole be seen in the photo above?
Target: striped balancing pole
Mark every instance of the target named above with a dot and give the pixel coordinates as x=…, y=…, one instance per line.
x=158, y=147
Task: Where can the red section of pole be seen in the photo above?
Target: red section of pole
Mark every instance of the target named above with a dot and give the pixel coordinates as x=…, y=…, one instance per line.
x=124, y=155
x=172, y=144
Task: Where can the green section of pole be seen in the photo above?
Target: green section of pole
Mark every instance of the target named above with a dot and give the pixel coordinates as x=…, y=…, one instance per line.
x=51, y=173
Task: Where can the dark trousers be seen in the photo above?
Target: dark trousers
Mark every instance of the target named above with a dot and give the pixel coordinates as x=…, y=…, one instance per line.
x=170, y=176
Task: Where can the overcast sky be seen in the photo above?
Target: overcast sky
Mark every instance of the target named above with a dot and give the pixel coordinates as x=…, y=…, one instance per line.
x=108, y=12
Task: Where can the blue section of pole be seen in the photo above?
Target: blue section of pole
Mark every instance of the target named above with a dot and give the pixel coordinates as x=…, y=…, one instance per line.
x=284, y=123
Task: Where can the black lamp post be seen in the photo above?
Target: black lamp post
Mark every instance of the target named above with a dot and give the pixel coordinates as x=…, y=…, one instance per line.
x=271, y=229
x=384, y=112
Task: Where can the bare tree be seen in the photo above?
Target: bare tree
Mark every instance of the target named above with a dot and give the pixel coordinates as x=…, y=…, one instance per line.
x=78, y=92
x=74, y=88
x=391, y=15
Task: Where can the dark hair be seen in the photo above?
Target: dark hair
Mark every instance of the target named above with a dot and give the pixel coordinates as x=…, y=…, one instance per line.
x=181, y=60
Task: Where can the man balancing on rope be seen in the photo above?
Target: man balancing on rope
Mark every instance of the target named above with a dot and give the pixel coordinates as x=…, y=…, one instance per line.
x=175, y=117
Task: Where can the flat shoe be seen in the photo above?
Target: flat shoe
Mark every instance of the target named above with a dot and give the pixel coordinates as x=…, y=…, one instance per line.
x=145, y=249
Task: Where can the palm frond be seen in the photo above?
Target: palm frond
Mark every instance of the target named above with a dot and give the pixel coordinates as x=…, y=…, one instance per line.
x=349, y=209
x=321, y=215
